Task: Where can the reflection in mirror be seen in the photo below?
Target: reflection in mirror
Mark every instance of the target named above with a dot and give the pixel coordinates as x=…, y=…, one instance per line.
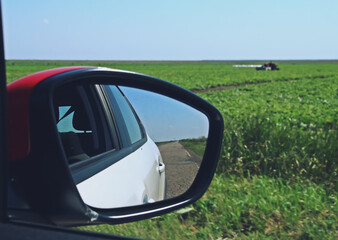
x=127, y=146
x=179, y=131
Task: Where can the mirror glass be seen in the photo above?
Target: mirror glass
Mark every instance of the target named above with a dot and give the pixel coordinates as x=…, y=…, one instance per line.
x=127, y=146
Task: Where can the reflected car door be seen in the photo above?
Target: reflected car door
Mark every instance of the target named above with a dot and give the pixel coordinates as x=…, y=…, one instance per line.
x=138, y=160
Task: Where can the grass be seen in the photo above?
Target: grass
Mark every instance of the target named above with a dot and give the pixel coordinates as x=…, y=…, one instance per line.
x=257, y=207
x=195, y=145
x=191, y=75
x=281, y=129
x=277, y=175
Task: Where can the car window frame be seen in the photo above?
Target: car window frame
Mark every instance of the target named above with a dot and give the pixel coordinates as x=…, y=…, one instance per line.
x=116, y=111
x=94, y=113
x=85, y=169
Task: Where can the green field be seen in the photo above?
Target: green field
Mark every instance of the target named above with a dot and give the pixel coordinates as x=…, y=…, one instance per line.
x=277, y=175
x=281, y=129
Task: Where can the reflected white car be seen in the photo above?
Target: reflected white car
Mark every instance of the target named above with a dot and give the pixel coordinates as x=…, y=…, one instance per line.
x=113, y=161
x=141, y=179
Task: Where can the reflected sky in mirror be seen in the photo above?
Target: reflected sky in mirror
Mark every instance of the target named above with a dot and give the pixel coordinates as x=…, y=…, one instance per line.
x=166, y=119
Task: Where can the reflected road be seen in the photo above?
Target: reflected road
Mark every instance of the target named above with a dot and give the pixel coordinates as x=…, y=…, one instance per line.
x=181, y=167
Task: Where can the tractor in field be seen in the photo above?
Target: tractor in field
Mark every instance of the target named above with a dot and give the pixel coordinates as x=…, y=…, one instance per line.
x=268, y=66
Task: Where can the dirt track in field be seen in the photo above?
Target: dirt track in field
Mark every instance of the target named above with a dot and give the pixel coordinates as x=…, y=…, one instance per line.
x=181, y=167
x=225, y=87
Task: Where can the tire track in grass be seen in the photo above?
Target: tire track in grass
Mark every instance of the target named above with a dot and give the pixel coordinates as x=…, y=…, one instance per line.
x=225, y=87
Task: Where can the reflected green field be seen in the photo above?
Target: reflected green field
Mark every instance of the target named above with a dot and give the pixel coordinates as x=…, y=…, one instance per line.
x=197, y=146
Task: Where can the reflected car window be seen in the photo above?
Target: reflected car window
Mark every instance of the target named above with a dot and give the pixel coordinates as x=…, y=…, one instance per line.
x=65, y=123
x=80, y=125
x=129, y=121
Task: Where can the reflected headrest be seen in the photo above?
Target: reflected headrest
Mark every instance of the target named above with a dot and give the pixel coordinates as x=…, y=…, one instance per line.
x=81, y=120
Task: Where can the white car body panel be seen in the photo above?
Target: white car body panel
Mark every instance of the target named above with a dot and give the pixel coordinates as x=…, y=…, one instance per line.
x=133, y=180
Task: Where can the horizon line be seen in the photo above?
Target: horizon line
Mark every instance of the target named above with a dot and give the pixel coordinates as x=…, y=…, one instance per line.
x=163, y=60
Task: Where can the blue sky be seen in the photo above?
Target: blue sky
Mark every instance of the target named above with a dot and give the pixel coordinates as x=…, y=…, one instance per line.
x=166, y=119
x=170, y=30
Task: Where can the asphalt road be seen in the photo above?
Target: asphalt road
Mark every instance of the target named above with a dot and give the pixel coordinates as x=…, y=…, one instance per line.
x=181, y=167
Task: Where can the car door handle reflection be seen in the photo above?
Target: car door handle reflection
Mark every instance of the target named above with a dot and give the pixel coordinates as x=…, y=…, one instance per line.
x=161, y=168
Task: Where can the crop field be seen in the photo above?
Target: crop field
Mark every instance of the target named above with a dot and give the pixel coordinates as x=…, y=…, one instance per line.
x=277, y=174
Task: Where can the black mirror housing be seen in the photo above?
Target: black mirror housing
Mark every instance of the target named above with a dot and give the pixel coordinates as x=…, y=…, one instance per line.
x=43, y=174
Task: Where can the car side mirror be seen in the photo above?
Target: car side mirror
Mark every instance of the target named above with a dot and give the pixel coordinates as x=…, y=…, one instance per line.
x=109, y=146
